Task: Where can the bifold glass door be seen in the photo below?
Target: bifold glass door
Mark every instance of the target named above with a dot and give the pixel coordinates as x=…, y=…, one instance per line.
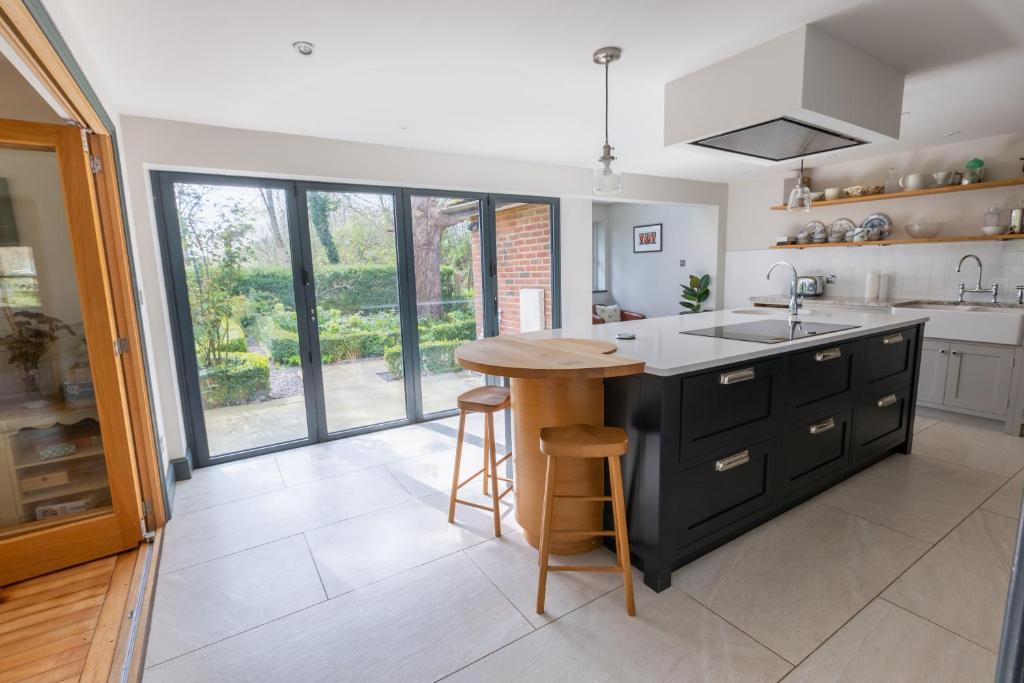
x=308, y=311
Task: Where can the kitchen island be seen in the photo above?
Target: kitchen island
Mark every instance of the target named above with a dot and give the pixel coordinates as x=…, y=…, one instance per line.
x=725, y=434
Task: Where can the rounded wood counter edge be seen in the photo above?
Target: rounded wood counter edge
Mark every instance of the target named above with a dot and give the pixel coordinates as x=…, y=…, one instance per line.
x=622, y=367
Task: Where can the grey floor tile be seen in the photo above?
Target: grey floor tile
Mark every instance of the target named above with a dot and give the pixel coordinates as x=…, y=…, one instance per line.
x=359, y=551
x=474, y=428
x=214, y=532
x=793, y=581
x=921, y=423
x=961, y=583
x=886, y=643
x=671, y=638
x=206, y=603
x=224, y=483
x=426, y=475
x=982, y=449
x=418, y=626
x=923, y=497
x=1007, y=500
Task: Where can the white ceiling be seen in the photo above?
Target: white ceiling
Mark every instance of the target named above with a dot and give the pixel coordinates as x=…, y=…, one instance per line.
x=515, y=80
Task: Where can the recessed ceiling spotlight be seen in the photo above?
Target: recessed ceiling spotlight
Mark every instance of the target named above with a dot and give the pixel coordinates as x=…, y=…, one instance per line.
x=904, y=113
x=303, y=47
x=952, y=133
x=403, y=126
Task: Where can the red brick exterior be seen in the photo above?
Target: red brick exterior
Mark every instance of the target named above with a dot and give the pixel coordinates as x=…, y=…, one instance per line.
x=524, y=260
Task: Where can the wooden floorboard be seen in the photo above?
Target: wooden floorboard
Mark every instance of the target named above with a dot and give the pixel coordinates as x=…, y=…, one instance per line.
x=69, y=625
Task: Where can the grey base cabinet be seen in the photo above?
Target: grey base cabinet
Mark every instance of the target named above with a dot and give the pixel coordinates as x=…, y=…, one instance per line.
x=970, y=378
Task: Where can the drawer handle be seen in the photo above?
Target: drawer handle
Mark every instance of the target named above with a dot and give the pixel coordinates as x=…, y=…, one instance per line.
x=732, y=461
x=822, y=427
x=892, y=338
x=886, y=401
x=828, y=354
x=737, y=376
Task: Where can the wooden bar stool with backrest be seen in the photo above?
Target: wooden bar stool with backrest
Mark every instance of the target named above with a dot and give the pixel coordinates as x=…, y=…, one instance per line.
x=585, y=441
x=487, y=400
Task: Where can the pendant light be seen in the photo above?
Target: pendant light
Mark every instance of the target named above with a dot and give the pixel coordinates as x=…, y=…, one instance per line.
x=606, y=180
x=800, y=195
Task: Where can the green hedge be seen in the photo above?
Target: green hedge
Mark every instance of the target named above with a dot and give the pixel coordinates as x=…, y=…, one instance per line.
x=436, y=357
x=237, y=345
x=460, y=330
x=243, y=378
x=284, y=346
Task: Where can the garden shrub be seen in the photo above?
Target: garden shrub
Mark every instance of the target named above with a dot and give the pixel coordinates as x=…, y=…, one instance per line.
x=242, y=378
x=436, y=357
x=393, y=361
x=237, y=345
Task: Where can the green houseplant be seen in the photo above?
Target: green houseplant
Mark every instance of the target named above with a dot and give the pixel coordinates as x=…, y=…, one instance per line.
x=696, y=293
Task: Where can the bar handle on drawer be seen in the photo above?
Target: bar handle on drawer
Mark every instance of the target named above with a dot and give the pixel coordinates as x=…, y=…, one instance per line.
x=892, y=338
x=828, y=354
x=732, y=461
x=822, y=427
x=736, y=376
x=886, y=401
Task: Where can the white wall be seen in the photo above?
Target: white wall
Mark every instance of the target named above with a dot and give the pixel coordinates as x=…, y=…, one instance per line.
x=649, y=283
x=159, y=144
x=917, y=271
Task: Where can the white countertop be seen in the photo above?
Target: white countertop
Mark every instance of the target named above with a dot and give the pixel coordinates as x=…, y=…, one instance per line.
x=667, y=352
x=827, y=301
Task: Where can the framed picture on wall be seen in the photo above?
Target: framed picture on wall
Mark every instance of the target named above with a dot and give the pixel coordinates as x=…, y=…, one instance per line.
x=646, y=238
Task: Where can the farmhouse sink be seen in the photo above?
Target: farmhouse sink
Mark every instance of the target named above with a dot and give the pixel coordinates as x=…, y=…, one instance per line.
x=977, y=322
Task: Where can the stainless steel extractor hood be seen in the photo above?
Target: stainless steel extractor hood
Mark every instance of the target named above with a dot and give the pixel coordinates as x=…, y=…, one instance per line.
x=801, y=94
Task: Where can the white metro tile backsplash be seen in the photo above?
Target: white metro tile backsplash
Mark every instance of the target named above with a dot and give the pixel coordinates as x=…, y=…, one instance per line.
x=925, y=271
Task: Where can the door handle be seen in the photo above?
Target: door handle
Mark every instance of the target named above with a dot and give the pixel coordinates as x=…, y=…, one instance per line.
x=886, y=401
x=892, y=339
x=822, y=427
x=828, y=354
x=732, y=461
x=737, y=376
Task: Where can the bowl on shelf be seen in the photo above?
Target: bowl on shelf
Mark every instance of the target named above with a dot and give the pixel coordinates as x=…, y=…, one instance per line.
x=923, y=231
x=992, y=230
x=862, y=190
x=817, y=196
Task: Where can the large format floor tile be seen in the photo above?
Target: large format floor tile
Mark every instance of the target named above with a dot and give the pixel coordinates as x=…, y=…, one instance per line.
x=922, y=497
x=793, y=581
x=474, y=428
x=961, y=583
x=214, y=532
x=206, y=603
x=227, y=482
x=671, y=638
x=885, y=643
x=359, y=551
x=922, y=423
x=418, y=626
x=511, y=563
x=1007, y=500
x=982, y=449
x=428, y=474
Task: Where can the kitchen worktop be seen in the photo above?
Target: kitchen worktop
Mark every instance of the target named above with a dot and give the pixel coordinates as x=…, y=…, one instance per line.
x=660, y=345
x=829, y=301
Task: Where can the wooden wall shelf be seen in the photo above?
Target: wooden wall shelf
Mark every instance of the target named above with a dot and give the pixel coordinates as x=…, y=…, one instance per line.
x=883, y=243
x=988, y=185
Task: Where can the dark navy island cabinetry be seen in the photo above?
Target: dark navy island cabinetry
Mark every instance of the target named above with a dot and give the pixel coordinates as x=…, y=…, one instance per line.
x=718, y=451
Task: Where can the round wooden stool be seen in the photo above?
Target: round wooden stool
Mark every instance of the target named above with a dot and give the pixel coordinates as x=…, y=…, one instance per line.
x=487, y=400
x=585, y=441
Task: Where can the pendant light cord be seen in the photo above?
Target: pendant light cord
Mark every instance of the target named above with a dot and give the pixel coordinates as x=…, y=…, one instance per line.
x=606, y=103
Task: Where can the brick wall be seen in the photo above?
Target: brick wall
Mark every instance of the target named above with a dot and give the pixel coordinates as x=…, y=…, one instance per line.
x=523, y=234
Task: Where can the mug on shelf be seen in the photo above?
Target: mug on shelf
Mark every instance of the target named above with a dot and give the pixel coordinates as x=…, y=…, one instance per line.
x=833, y=193
x=914, y=181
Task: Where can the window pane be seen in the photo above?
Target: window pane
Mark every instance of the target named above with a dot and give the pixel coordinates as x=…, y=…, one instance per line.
x=523, y=234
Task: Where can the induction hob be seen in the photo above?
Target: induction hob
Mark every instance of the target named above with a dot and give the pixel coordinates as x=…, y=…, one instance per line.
x=769, y=331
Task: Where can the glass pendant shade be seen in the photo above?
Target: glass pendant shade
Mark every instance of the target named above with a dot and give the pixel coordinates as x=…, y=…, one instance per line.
x=799, y=199
x=606, y=180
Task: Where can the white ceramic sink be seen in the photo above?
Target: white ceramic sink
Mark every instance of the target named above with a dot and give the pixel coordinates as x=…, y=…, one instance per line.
x=804, y=312
x=970, y=322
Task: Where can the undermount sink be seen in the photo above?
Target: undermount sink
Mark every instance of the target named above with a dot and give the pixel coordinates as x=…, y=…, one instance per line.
x=978, y=322
x=804, y=312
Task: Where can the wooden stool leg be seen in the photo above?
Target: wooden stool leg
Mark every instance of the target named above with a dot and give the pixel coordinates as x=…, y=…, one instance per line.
x=458, y=464
x=488, y=439
x=492, y=465
x=621, y=536
x=545, y=531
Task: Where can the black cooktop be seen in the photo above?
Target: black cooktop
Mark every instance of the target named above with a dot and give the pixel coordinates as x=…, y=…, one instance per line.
x=769, y=331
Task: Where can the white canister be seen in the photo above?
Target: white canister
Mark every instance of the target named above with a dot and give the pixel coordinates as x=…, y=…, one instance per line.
x=872, y=284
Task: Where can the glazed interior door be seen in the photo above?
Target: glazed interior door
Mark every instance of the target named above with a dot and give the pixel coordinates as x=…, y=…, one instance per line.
x=68, y=485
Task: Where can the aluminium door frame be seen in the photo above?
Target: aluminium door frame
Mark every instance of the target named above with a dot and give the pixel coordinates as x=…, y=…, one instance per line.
x=182, y=330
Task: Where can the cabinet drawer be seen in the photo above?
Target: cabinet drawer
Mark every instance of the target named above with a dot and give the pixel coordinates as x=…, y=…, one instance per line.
x=814, y=451
x=889, y=359
x=880, y=421
x=821, y=380
x=733, y=484
x=728, y=407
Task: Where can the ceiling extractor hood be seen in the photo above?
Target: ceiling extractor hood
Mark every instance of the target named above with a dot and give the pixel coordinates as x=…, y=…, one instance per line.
x=801, y=94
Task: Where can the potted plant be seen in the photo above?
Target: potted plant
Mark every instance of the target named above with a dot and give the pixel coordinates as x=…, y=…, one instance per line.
x=696, y=293
x=30, y=337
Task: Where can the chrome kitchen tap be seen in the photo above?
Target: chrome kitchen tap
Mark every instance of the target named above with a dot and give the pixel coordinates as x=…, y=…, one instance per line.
x=994, y=289
x=795, y=300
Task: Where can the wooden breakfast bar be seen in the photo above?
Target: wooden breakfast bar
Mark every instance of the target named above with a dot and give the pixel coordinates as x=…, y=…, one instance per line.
x=554, y=382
